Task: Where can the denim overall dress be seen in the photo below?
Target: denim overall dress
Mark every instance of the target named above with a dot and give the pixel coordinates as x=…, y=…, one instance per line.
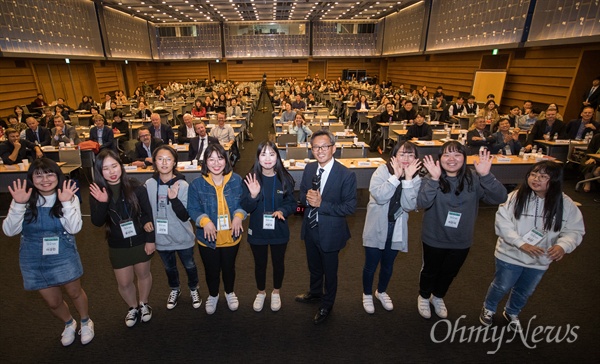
x=43, y=271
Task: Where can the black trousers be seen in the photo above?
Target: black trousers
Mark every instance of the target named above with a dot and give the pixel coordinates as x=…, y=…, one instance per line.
x=216, y=262
x=261, y=255
x=323, y=267
x=440, y=266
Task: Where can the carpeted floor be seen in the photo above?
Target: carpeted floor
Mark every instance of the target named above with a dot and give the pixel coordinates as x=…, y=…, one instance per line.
x=562, y=309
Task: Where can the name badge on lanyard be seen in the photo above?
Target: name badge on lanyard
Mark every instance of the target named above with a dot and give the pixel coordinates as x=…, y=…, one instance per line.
x=223, y=222
x=127, y=228
x=452, y=219
x=268, y=221
x=533, y=237
x=50, y=246
x=162, y=226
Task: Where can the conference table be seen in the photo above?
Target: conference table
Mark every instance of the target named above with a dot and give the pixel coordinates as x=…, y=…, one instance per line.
x=362, y=167
x=560, y=149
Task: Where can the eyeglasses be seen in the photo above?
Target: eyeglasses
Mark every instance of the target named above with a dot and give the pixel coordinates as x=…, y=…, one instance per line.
x=539, y=176
x=164, y=160
x=144, y=135
x=405, y=155
x=41, y=176
x=321, y=148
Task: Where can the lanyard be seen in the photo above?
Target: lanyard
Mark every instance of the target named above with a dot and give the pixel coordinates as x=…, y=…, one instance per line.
x=272, y=198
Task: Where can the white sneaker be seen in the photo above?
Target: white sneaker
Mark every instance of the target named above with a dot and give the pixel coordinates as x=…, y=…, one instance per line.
x=423, y=307
x=513, y=322
x=211, y=304
x=232, y=301
x=439, y=306
x=132, y=317
x=196, y=300
x=68, y=335
x=87, y=332
x=385, y=300
x=259, y=302
x=146, y=311
x=275, y=301
x=368, y=303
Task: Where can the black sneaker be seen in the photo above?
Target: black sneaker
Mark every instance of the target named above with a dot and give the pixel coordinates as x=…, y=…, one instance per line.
x=513, y=322
x=146, y=312
x=132, y=317
x=172, y=300
x=486, y=317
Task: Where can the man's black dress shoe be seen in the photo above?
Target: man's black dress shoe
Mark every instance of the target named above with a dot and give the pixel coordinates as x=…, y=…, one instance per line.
x=307, y=298
x=321, y=315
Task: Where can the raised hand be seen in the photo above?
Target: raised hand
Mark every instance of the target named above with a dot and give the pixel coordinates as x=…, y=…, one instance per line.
x=433, y=167
x=253, y=185
x=173, y=190
x=484, y=164
x=99, y=194
x=397, y=167
x=411, y=169
x=19, y=191
x=67, y=191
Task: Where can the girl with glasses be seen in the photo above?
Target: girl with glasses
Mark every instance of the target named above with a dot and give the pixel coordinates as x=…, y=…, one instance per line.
x=46, y=212
x=168, y=195
x=393, y=194
x=536, y=226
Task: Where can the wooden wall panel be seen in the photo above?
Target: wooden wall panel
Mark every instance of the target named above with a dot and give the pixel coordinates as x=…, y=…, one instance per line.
x=17, y=85
x=253, y=70
x=336, y=66
x=107, y=77
x=181, y=71
x=146, y=71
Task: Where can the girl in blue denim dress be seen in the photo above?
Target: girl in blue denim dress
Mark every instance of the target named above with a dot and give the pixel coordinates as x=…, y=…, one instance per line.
x=46, y=212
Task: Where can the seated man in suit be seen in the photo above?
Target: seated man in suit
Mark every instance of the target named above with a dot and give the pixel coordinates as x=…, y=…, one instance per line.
x=578, y=128
x=145, y=147
x=552, y=127
x=591, y=97
x=298, y=104
x=234, y=110
x=389, y=115
x=419, y=130
x=143, y=112
x=329, y=190
x=223, y=132
x=199, y=143
x=162, y=131
x=471, y=108
x=479, y=136
x=102, y=134
x=13, y=150
x=408, y=112
x=36, y=133
x=63, y=132
x=457, y=109
x=185, y=131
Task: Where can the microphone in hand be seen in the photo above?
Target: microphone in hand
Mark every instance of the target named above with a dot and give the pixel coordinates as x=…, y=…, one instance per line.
x=316, y=183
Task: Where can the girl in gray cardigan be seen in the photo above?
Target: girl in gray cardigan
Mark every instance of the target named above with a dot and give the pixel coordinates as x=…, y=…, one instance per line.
x=393, y=188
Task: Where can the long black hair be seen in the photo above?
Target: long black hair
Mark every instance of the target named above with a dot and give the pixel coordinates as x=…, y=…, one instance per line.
x=409, y=147
x=286, y=179
x=464, y=176
x=553, y=201
x=127, y=185
x=43, y=165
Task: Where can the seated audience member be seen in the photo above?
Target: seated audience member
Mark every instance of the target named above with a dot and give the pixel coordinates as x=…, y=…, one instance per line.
x=551, y=106
x=39, y=102
x=311, y=100
x=298, y=104
x=389, y=115
x=591, y=168
x=106, y=103
x=61, y=102
x=162, y=131
x=102, y=134
x=85, y=104
x=110, y=113
x=490, y=112
x=505, y=137
x=548, y=129
x=457, y=109
x=527, y=106
x=526, y=122
x=14, y=124
x=223, y=132
x=35, y=133
x=490, y=97
x=420, y=130
x=121, y=126
x=234, y=110
x=48, y=118
x=471, y=107
x=143, y=112
x=199, y=143
x=407, y=112
x=186, y=131
x=479, y=136
x=578, y=128
x=14, y=150
x=299, y=129
x=19, y=113
x=199, y=111
x=439, y=102
x=362, y=104
x=208, y=104
x=288, y=115
x=513, y=115
x=144, y=148
x=95, y=111
x=59, y=109
x=439, y=91
x=63, y=132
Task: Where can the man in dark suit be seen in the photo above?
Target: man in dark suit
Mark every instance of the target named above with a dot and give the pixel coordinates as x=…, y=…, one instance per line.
x=591, y=97
x=329, y=191
x=161, y=131
x=37, y=134
x=102, y=134
x=408, y=112
x=185, y=131
x=578, y=128
x=479, y=137
x=13, y=150
x=555, y=128
x=198, y=144
x=145, y=147
x=63, y=132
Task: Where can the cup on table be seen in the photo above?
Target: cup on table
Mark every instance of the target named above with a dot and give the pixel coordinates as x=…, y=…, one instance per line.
x=195, y=163
x=292, y=162
x=355, y=140
x=306, y=160
x=21, y=166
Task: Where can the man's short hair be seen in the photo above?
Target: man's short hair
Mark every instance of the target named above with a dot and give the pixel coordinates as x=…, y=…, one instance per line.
x=471, y=97
x=59, y=116
x=408, y=102
x=491, y=96
x=421, y=114
x=118, y=113
x=13, y=116
x=10, y=131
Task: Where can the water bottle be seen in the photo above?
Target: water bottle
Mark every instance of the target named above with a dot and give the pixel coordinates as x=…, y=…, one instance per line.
x=534, y=149
x=507, y=150
x=170, y=142
x=522, y=153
